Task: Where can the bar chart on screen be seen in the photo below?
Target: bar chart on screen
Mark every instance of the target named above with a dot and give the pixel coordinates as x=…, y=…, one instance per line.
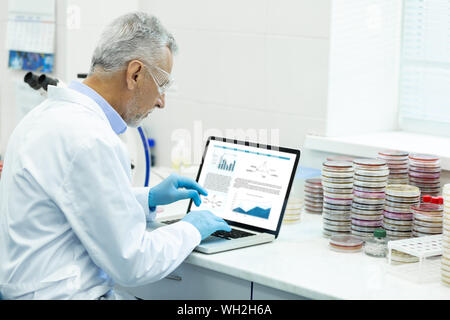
x=227, y=163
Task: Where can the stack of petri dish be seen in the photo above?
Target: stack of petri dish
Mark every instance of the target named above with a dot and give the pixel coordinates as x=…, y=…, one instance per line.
x=428, y=218
x=313, y=195
x=293, y=211
x=425, y=173
x=445, y=261
x=397, y=162
x=341, y=158
x=398, y=218
x=337, y=182
x=345, y=243
x=370, y=181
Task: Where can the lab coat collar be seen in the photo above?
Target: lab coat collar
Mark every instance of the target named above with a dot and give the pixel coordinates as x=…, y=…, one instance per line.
x=115, y=120
x=73, y=96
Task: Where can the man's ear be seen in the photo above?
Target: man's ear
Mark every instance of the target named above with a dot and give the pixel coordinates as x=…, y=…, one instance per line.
x=134, y=71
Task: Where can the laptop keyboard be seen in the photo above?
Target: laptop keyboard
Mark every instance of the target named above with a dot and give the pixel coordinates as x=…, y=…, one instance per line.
x=233, y=234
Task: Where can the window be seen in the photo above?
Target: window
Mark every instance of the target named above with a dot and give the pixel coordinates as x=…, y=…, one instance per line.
x=424, y=93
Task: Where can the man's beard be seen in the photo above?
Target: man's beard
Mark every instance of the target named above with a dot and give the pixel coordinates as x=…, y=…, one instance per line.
x=132, y=116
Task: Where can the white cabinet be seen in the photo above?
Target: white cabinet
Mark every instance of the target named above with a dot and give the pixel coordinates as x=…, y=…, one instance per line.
x=196, y=283
x=189, y=282
x=261, y=292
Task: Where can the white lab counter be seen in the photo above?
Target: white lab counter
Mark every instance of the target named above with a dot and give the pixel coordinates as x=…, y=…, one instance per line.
x=299, y=262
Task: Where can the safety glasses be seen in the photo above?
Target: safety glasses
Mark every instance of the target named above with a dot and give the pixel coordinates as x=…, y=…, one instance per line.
x=162, y=79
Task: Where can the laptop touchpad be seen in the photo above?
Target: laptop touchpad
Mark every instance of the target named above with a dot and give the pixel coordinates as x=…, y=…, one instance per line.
x=213, y=240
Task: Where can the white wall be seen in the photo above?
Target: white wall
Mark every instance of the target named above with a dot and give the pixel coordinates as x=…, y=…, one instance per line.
x=73, y=51
x=9, y=78
x=364, y=66
x=268, y=70
x=243, y=65
x=3, y=73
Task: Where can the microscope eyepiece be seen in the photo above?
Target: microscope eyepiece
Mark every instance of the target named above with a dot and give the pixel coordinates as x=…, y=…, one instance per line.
x=32, y=80
x=45, y=81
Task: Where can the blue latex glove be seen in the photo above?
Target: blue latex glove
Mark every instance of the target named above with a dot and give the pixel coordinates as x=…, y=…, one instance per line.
x=206, y=222
x=175, y=188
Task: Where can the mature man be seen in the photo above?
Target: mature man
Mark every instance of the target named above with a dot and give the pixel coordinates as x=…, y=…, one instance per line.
x=71, y=224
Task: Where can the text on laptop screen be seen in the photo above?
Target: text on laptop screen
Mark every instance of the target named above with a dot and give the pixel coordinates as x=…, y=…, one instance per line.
x=245, y=184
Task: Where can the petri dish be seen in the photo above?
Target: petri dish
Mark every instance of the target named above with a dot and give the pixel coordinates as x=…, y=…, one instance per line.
x=337, y=174
x=363, y=194
x=393, y=154
x=336, y=228
x=336, y=207
x=332, y=212
x=364, y=228
x=398, y=216
x=398, y=222
x=362, y=234
x=372, y=173
x=362, y=206
x=422, y=157
x=367, y=212
x=366, y=223
x=337, y=190
x=346, y=243
x=398, y=228
x=400, y=190
x=427, y=230
x=338, y=195
x=428, y=224
x=368, y=189
x=328, y=233
x=370, y=178
x=399, y=256
x=398, y=205
x=366, y=217
x=313, y=182
x=337, y=217
x=369, y=162
x=338, y=166
x=337, y=185
x=367, y=184
x=410, y=200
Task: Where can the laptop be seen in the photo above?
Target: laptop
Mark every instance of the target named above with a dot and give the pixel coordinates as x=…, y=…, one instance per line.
x=248, y=186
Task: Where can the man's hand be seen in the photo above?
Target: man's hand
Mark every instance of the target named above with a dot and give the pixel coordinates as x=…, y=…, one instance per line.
x=175, y=188
x=206, y=222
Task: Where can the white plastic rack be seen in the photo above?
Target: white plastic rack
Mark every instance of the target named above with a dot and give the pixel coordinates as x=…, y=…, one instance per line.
x=421, y=247
x=426, y=270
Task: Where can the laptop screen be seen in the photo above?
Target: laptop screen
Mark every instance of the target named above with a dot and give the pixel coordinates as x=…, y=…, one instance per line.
x=246, y=184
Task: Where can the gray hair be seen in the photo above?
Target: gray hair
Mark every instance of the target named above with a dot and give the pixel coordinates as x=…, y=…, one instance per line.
x=132, y=36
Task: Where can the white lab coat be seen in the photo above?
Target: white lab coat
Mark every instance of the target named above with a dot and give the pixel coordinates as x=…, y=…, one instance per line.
x=71, y=224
